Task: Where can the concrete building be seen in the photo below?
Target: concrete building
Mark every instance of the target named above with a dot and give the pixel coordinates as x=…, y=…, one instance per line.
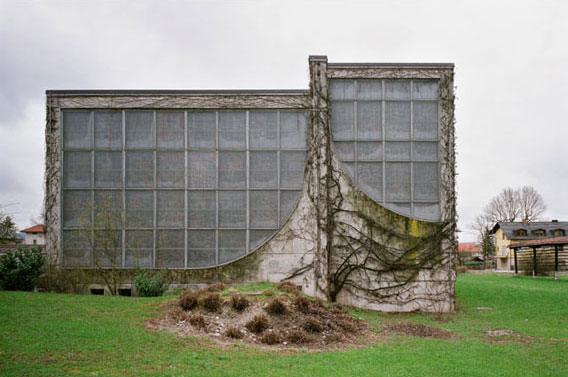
x=347, y=189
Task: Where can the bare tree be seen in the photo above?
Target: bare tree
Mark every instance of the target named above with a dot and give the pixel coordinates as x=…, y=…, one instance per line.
x=531, y=204
x=503, y=207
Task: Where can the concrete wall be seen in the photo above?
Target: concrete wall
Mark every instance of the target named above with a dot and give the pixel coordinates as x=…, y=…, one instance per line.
x=308, y=249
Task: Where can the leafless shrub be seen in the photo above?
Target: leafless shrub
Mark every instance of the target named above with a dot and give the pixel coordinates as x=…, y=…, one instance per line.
x=197, y=321
x=234, y=332
x=312, y=325
x=299, y=337
x=258, y=324
x=212, y=302
x=178, y=314
x=271, y=337
x=302, y=304
x=239, y=303
x=189, y=300
x=276, y=307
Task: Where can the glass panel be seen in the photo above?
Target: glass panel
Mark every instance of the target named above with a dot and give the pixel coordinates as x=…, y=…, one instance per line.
x=397, y=151
x=369, y=89
x=139, y=209
x=369, y=120
x=108, y=209
x=76, y=208
x=263, y=170
x=108, y=169
x=232, y=244
x=397, y=180
x=232, y=126
x=77, y=169
x=171, y=169
x=170, y=126
x=201, y=207
x=397, y=119
x=292, y=169
x=402, y=208
x=201, y=170
x=170, y=248
x=342, y=120
x=424, y=151
x=293, y=126
x=139, y=169
x=200, y=248
x=345, y=150
x=258, y=237
x=76, y=249
x=232, y=209
x=263, y=209
x=108, y=129
x=139, y=246
x=202, y=129
x=425, y=120
x=425, y=90
x=370, y=179
x=397, y=89
x=170, y=209
x=350, y=167
x=426, y=185
x=427, y=211
x=139, y=129
x=107, y=248
x=342, y=89
x=232, y=170
x=369, y=150
x=76, y=129
x=288, y=201
x=262, y=128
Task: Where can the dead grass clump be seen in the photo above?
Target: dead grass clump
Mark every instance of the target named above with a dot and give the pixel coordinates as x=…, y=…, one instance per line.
x=234, y=332
x=212, y=302
x=217, y=287
x=258, y=324
x=178, y=314
x=348, y=324
x=416, y=329
x=338, y=308
x=276, y=307
x=188, y=300
x=334, y=338
x=271, y=337
x=299, y=337
x=302, y=304
x=239, y=303
x=312, y=325
x=197, y=321
x=268, y=292
x=286, y=286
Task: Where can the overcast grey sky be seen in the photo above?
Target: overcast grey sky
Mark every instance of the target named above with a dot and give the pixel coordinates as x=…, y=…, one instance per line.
x=510, y=56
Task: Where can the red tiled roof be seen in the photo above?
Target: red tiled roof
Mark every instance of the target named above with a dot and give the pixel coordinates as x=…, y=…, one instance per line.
x=35, y=229
x=468, y=247
x=540, y=242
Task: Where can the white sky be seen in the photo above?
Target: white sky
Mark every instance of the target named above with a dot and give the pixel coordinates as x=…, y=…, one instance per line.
x=511, y=62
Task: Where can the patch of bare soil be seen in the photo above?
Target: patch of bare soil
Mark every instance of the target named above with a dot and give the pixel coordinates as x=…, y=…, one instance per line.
x=416, y=329
x=508, y=336
x=283, y=320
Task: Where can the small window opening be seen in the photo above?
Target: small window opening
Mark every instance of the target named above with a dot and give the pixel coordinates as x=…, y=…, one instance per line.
x=125, y=292
x=539, y=232
x=97, y=291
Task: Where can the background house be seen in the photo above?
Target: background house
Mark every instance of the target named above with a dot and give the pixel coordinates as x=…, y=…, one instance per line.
x=35, y=235
x=469, y=251
x=505, y=232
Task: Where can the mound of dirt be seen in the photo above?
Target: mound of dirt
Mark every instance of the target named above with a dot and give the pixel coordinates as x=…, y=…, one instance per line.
x=282, y=318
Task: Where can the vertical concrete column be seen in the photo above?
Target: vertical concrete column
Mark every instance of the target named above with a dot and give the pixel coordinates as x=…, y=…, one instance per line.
x=319, y=165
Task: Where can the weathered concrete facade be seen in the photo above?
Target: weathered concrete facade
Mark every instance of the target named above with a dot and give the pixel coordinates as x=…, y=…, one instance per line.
x=338, y=243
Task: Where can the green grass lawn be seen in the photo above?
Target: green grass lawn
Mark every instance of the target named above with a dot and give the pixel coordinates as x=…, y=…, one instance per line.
x=59, y=335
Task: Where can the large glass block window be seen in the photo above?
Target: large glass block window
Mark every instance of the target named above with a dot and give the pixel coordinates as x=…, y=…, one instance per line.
x=386, y=133
x=178, y=188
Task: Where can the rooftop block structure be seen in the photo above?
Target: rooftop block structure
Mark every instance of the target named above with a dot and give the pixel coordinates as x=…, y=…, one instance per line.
x=347, y=189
